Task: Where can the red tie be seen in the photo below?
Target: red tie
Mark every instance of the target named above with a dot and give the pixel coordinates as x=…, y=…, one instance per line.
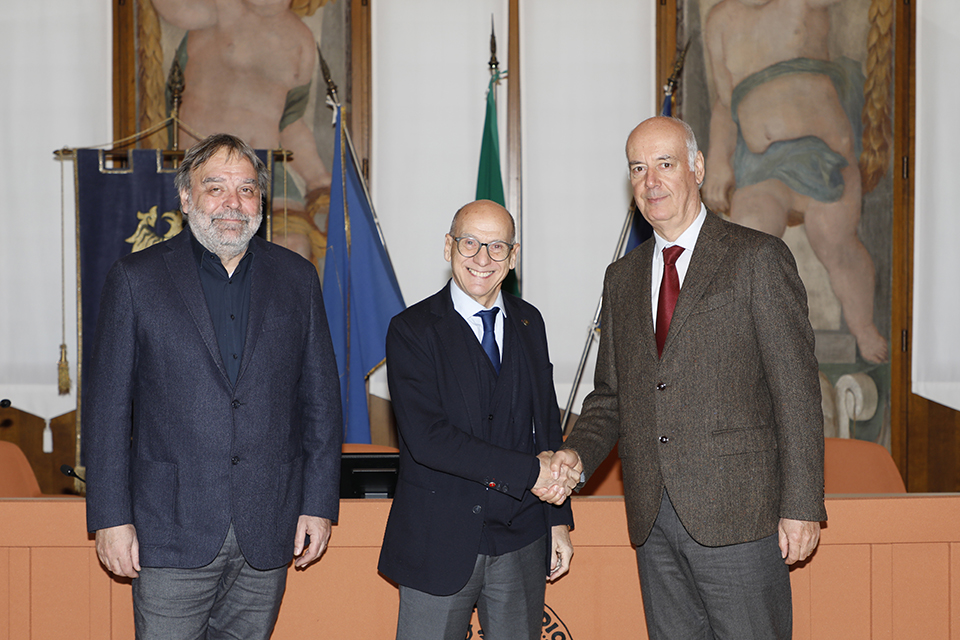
x=669, y=292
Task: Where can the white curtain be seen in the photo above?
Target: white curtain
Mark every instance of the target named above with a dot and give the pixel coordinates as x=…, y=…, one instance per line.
x=57, y=92
x=587, y=77
x=936, y=295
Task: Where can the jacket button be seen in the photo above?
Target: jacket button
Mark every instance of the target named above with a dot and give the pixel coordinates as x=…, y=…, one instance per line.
x=661, y=386
x=235, y=404
x=490, y=417
x=664, y=439
x=477, y=508
x=234, y=460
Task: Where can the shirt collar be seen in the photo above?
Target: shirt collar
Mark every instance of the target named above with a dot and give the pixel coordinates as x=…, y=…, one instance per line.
x=199, y=251
x=467, y=306
x=687, y=239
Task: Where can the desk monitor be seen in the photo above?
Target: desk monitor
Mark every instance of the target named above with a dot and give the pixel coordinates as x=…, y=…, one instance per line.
x=368, y=475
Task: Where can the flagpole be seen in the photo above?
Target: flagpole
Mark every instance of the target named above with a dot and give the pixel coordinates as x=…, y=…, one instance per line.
x=514, y=139
x=594, y=330
x=335, y=102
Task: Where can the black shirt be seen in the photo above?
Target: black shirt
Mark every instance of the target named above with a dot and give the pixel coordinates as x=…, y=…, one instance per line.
x=228, y=299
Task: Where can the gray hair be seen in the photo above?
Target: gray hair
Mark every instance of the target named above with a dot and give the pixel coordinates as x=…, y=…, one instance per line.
x=201, y=152
x=691, y=141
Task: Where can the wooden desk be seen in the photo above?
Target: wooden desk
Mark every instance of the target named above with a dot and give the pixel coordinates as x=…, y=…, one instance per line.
x=888, y=567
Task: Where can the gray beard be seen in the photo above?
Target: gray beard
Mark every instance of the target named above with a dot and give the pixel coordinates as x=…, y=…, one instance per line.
x=213, y=241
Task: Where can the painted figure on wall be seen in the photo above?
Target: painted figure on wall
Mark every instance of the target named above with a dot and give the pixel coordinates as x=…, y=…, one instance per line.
x=786, y=137
x=249, y=67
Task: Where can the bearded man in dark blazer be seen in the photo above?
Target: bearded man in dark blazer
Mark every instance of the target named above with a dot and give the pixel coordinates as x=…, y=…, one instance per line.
x=211, y=423
x=477, y=415
x=716, y=407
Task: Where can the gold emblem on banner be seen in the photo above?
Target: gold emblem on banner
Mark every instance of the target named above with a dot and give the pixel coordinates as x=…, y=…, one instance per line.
x=146, y=234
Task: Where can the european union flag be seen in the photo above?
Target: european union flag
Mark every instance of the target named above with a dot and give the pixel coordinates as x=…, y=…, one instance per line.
x=360, y=289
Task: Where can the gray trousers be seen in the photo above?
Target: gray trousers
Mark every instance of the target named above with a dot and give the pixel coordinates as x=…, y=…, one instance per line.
x=226, y=599
x=507, y=590
x=693, y=592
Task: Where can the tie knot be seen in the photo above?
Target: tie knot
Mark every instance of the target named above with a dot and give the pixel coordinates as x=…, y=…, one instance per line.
x=488, y=317
x=670, y=254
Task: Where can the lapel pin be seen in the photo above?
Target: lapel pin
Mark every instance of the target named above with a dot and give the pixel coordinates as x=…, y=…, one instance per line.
x=525, y=322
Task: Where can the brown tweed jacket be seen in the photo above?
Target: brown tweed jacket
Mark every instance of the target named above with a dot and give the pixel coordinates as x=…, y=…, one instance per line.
x=729, y=420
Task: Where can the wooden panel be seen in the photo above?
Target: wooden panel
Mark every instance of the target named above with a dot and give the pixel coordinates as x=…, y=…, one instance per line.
x=100, y=604
x=57, y=609
x=887, y=568
x=881, y=592
x=921, y=583
x=358, y=118
x=319, y=595
x=18, y=602
x=840, y=579
x=955, y=590
x=5, y=582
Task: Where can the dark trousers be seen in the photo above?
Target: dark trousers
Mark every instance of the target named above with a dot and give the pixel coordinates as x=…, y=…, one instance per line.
x=507, y=590
x=224, y=599
x=693, y=592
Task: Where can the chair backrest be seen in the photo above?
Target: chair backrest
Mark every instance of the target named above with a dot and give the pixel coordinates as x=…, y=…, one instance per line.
x=17, y=479
x=858, y=466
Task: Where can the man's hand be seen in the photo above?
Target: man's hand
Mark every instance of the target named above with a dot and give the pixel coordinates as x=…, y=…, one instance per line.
x=118, y=550
x=319, y=531
x=798, y=539
x=559, y=474
x=562, y=552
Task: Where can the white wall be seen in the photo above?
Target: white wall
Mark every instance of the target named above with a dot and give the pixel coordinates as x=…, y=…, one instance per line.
x=587, y=78
x=57, y=92
x=936, y=305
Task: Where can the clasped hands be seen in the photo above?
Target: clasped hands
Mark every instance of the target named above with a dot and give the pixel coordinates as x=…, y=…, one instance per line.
x=559, y=474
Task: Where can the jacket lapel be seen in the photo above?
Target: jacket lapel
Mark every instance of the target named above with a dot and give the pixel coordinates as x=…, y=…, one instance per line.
x=636, y=295
x=519, y=326
x=454, y=347
x=707, y=256
x=182, y=265
x=264, y=273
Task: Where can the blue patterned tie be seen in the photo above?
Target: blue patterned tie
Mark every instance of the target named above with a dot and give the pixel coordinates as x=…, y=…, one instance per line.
x=489, y=340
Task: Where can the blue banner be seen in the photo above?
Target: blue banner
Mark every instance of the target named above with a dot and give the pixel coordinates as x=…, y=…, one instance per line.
x=118, y=211
x=360, y=289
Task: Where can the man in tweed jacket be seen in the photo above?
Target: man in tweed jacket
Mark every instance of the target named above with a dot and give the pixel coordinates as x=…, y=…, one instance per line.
x=720, y=436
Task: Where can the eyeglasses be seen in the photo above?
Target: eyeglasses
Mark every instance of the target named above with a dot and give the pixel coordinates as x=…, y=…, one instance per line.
x=497, y=250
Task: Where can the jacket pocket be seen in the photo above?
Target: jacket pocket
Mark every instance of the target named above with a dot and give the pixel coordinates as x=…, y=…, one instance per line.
x=732, y=442
x=713, y=302
x=154, y=500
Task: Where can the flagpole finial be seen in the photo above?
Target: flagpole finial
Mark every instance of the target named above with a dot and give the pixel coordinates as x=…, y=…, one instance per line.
x=331, y=85
x=493, y=64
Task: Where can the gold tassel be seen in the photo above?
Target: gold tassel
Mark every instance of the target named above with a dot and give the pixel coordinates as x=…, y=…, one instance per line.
x=63, y=372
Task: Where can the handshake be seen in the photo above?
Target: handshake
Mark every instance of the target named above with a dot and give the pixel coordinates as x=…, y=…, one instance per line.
x=559, y=474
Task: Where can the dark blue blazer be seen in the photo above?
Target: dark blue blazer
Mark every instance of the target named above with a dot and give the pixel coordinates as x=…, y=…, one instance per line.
x=433, y=532
x=173, y=447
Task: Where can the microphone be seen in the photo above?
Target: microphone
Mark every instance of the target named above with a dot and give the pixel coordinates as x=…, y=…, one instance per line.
x=4, y=403
x=67, y=470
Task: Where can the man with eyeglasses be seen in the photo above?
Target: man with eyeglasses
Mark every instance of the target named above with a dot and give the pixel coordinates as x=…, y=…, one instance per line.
x=472, y=388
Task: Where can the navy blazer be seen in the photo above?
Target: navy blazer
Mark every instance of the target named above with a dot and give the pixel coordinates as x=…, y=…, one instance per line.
x=433, y=532
x=173, y=447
